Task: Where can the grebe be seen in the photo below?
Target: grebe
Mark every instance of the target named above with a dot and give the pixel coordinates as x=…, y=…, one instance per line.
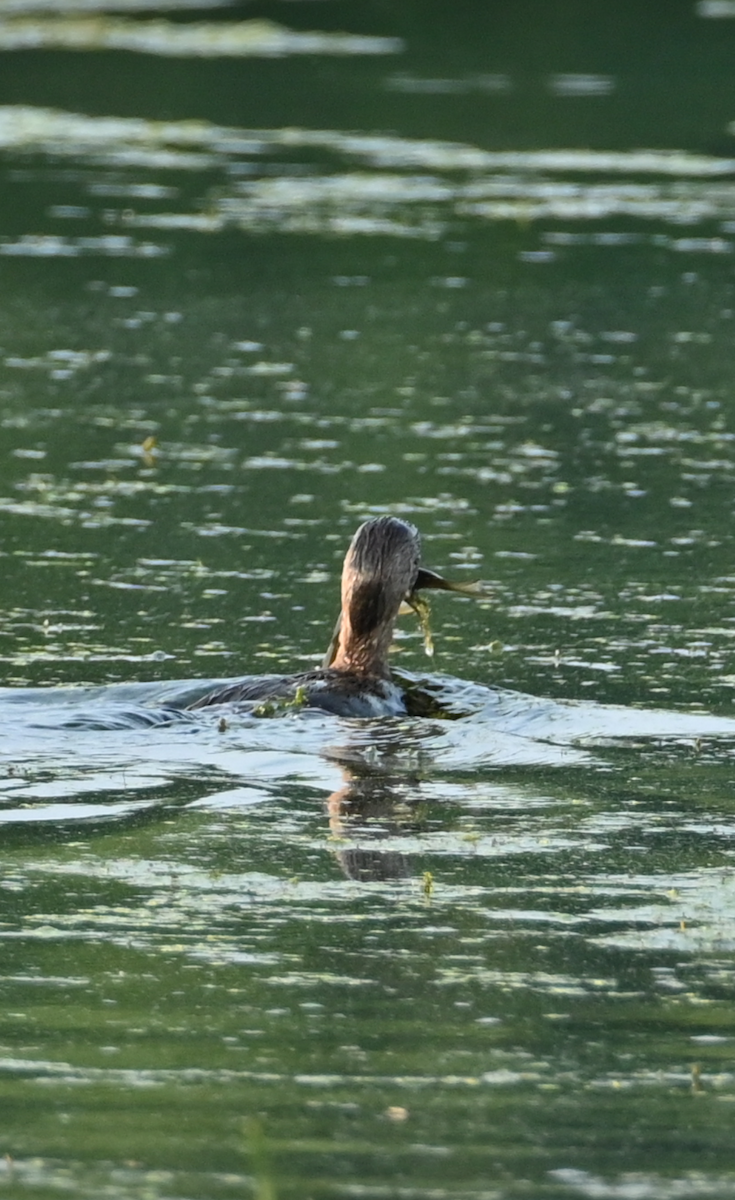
x=381, y=571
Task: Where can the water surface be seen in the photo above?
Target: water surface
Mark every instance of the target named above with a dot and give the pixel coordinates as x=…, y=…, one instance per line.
x=266, y=272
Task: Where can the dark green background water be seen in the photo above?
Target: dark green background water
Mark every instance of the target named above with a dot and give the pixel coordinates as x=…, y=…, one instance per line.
x=275, y=295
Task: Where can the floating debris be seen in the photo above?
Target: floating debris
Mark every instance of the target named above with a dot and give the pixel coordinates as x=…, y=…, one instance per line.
x=149, y=449
x=422, y=608
x=281, y=706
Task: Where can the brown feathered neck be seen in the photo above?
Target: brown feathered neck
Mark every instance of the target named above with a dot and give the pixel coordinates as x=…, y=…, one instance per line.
x=380, y=570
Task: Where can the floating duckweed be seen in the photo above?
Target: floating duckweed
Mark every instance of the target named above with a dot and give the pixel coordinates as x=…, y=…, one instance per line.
x=149, y=450
x=281, y=704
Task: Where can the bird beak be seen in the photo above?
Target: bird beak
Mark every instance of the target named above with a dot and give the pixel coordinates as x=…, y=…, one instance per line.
x=430, y=579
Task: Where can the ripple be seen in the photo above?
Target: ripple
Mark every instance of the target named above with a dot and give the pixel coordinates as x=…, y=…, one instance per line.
x=257, y=38
x=370, y=185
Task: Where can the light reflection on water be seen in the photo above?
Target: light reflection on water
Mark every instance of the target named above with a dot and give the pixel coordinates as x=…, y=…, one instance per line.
x=471, y=957
x=381, y=196
x=258, y=38
x=522, y=871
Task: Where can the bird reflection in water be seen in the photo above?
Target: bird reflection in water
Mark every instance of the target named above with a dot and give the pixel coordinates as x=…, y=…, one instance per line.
x=375, y=807
x=380, y=801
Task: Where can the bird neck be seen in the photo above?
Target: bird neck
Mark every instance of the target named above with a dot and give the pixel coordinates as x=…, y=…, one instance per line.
x=364, y=652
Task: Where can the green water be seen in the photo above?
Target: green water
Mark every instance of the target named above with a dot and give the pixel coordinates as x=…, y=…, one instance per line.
x=477, y=273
